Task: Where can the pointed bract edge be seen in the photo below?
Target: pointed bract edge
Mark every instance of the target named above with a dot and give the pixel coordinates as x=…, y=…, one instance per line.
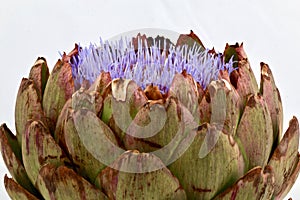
x=122, y=101
x=10, y=150
x=10, y=140
x=287, y=186
x=189, y=39
x=102, y=81
x=152, y=92
x=241, y=52
x=28, y=107
x=16, y=191
x=231, y=53
x=243, y=79
x=59, y=136
x=272, y=98
x=58, y=90
x=39, y=73
x=39, y=148
x=63, y=183
x=210, y=148
x=156, y=132
x=86, y=99
x=83, y=160
x=221, y=105
x=257, y=183
x=255, y=131
x=117, y=102
x=224, y=106
x=285, y=160
x=184, y=88
x=67, y=57
x=236, y=50
x=127, y=90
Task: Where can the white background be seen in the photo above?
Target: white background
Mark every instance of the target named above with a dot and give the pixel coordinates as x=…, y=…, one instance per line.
x=28, y=29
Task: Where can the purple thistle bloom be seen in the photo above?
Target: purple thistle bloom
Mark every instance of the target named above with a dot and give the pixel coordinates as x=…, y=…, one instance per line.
x=147, y=64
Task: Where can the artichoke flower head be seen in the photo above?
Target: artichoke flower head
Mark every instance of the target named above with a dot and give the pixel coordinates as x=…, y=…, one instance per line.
x=143, y=117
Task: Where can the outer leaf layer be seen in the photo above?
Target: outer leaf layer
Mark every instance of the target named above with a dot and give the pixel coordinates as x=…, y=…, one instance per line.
x=63, y=183
x=256, y=184
x=39, y=73
x=255, y=132
x=59, y=89
x=273, y=100
x=39, y=148
x=244, y=79
x=285, y=160
x=12, y=157
x=159, y=184
x=205, y=177
x=28, y=107
x=86, y=164
x=16, y=191
x=90, y=143
x=144, y=125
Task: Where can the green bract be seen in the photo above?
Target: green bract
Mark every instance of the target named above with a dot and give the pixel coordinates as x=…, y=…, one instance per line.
x=111, y=137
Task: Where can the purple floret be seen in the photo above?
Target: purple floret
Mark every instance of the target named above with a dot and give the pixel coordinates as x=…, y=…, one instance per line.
x=147, y=64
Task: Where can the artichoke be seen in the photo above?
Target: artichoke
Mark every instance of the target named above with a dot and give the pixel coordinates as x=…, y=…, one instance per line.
x=145, y=118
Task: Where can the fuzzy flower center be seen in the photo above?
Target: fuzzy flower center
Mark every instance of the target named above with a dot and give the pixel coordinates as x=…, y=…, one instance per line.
x=155, y=64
